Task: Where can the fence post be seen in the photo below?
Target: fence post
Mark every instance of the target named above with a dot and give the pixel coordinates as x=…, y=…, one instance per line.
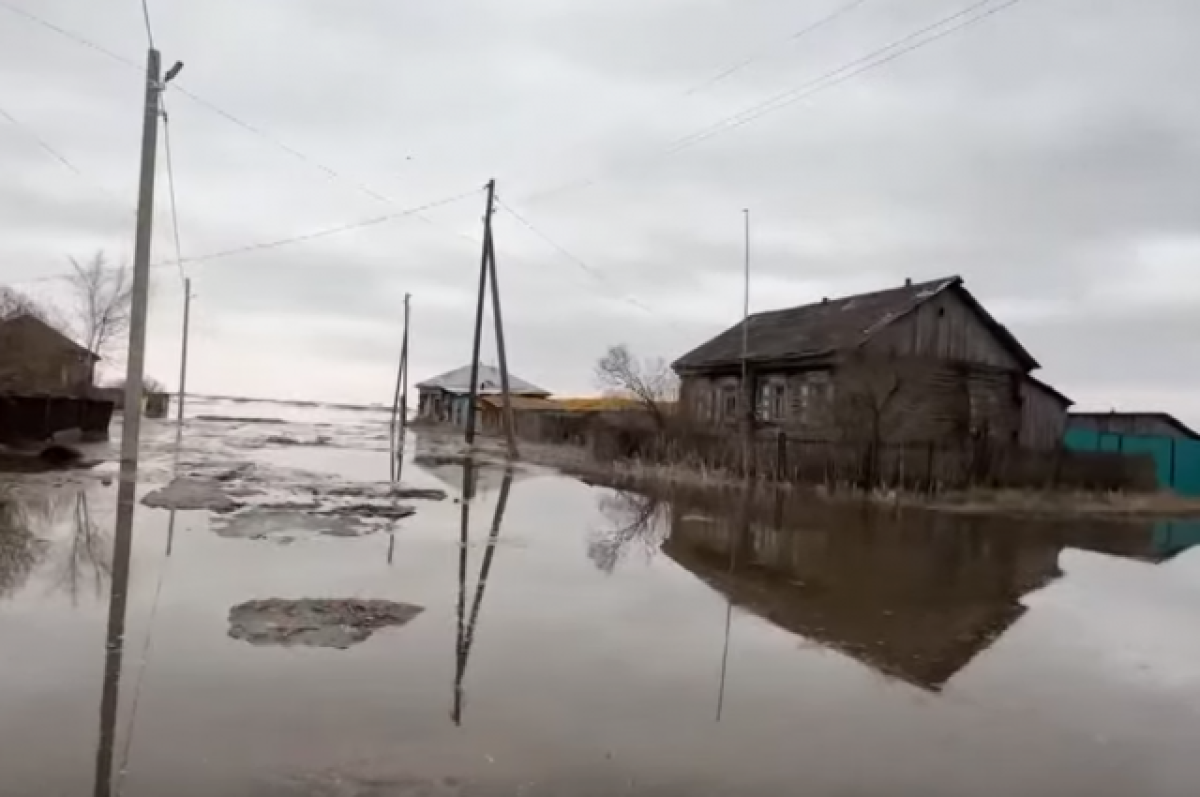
x=929, y=472
x=781, y=456
x=1171, y=471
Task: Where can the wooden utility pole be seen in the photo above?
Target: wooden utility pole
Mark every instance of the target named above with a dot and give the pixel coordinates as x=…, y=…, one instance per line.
x=183, y=359
x=473, y=397
x=400, y=398
x=404, y=370
x=487, y=267
x=509, y=423
x=747, y=392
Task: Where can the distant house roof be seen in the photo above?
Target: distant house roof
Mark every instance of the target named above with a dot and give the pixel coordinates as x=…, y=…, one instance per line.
x=1163, y=417
x=31, y=320
x=834, y=326
x=459, y=381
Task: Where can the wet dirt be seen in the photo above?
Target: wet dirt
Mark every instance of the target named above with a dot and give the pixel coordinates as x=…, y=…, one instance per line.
x=321, y=623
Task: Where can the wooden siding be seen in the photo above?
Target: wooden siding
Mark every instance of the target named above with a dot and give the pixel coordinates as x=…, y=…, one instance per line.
x=1043, y=416
x=944, y=328
x=899, y=399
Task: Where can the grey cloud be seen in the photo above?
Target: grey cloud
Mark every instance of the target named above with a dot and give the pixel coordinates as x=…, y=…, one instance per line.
x=1038, y=154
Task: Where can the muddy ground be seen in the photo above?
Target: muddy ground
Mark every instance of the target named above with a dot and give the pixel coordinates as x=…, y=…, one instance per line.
x=329, y=633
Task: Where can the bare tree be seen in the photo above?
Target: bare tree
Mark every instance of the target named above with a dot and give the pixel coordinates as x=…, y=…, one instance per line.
x=651, y=382
x=868, y=407
x=102, y=297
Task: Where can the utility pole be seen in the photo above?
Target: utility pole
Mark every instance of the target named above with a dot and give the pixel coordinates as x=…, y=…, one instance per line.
x=131, y=424
x=509, y=423
x=183, y=358
x=746, y=392
x=400, y=399
x=404, y=371
x=136, y=359
x=473, y=397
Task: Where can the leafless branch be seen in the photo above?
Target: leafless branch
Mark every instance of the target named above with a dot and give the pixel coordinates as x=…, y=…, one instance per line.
x=102, y=298
x=649, y=381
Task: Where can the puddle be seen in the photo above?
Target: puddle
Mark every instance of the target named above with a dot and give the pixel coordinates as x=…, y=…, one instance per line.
x=573, y=639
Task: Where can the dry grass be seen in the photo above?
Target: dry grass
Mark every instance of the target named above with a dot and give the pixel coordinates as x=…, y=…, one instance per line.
x=636, y=474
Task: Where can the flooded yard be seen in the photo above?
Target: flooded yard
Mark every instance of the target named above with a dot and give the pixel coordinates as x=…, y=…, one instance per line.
x=325, y=633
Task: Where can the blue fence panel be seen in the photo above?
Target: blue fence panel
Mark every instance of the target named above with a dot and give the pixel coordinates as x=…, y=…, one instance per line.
x=1187, y=467
x=1176, y=462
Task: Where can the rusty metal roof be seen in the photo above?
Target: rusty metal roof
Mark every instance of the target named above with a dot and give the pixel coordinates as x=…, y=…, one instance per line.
x=832, y=326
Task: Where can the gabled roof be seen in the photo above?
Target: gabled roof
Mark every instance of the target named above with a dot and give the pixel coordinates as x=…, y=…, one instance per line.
x=1164, y=417
x=29, y=319
x=459, y=381
x=834, y=326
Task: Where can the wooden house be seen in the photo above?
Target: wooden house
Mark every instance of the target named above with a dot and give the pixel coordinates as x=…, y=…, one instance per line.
x=445, y=398
x=35, y=358
x=921, y=362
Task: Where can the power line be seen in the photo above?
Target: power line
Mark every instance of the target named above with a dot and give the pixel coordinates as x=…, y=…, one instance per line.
x=829, y=18
x=275, y=244
x=828, y=80
x=578, y=261
x=149, y=27
x=58, y=156
x=171, y=186
x=68, y=34
x=847, y=71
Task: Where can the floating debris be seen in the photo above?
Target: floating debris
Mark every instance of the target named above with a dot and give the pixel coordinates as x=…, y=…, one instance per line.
x=191, y=494
x=321, y=623
x=265, y=524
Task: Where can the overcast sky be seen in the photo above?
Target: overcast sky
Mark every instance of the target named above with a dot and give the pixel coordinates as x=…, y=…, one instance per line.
x=1050, y=154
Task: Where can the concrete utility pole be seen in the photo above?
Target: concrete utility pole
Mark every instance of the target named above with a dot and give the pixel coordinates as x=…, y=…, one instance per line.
x=131, y=426
x=140, y=297
x=473, y=397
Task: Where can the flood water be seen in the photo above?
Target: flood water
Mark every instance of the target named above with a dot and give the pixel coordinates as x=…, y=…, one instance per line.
x=581, y=641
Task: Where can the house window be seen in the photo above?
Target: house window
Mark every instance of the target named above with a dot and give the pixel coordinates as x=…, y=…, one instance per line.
x=729, y=401
x=771, y=401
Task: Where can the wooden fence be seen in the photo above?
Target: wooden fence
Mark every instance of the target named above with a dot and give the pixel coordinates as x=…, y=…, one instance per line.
x=37, y=418
x=929, y=467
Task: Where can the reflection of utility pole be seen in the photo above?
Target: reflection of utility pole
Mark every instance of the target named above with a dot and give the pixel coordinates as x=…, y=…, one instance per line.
x=464, y=540
x=743, y=533
x=466, y=631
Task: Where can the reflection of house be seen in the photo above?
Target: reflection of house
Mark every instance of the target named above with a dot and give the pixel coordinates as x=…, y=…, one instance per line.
x=444, y=398
x=914, y=598
x=922, y=362
x=37, y=358
x=449, y=466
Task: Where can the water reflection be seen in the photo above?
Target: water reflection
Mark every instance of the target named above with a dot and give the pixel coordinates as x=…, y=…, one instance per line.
x=114, y=638
x=21, y=549
x=54, y=533
x=468, y=625
x=915, y=596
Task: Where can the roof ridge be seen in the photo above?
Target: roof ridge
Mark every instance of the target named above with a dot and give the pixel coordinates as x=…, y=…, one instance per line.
x=954, y=278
